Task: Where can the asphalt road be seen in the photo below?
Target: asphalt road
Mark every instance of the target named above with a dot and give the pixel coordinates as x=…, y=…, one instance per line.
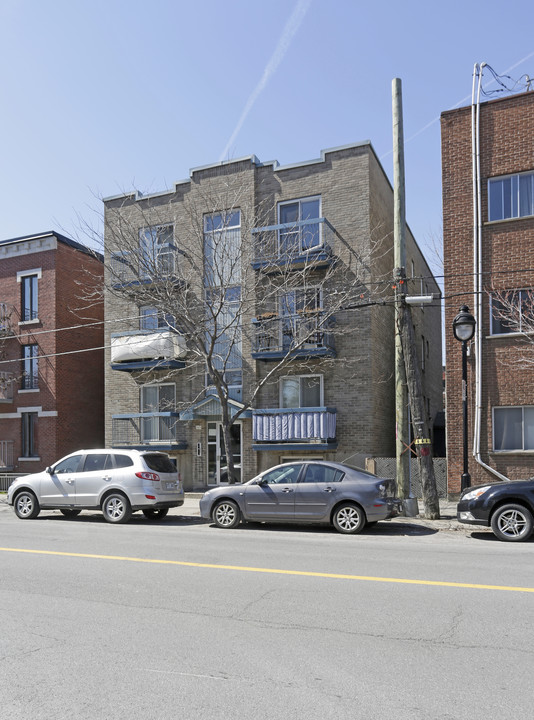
x=177, y=619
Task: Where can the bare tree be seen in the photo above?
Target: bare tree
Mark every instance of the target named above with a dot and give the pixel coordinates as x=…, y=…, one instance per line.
x=512, y=311
x=223, y=277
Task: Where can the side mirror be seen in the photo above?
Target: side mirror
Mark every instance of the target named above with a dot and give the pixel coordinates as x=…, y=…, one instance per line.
x=48, y=470
x=262, y=482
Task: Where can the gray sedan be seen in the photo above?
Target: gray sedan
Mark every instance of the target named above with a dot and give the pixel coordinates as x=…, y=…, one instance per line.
x=308, y=492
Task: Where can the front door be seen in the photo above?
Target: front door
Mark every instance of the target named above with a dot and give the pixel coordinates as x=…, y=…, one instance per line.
x=217, y=464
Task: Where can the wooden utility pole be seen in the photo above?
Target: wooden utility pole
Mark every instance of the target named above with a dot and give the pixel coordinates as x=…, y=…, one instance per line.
x=408, y=380
x=399, y=274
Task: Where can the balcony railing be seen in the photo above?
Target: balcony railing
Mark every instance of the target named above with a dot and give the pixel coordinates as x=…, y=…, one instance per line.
x=6, y=386
x=283, y=425
x=303, y=334
x=137, y=429
x=130, y=267
x=143, y=349
x=300, y=243
x=6, y=454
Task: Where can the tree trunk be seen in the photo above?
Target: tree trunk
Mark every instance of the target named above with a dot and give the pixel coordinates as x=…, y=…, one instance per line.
x=419, y=418
x=226, y=424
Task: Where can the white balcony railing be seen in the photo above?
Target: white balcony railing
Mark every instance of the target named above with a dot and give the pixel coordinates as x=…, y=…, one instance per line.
x=294, y=425
x=142, y=345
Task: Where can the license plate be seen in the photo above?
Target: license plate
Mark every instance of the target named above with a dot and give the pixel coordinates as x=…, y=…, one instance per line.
x=171, y=486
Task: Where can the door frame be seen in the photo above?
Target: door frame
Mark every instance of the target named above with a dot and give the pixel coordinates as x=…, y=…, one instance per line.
x=219, y=447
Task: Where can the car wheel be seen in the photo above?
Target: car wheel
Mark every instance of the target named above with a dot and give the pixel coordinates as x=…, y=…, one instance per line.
x=116, y=508
x=156, y=513
x=349, y=519
x=226, y=514
x=70, y=512
x=26, y=505
x=512, y=523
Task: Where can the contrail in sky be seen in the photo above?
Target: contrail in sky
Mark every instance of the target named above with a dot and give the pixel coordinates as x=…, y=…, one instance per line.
x=292, y=25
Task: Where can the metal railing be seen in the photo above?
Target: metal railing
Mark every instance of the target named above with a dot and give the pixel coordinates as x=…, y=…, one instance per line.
x=147, y=428
x=303, y=331
x=303, y=241
x=294, y=424
x=6, y=454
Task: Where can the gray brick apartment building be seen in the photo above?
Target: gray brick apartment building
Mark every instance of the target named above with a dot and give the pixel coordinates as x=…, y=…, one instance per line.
x=299, y=235
x=489, y=261
x=51, y=391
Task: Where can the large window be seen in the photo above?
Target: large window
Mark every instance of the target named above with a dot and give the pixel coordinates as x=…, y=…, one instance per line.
x=512, y=311
x=157, y=251
x=513, y=428
x=299, y=309
x=511, y=196
x=29, y=434
x=30, y=375
x=222, y=249
x=301, y=233
x=29, y=298
x=301, y=391
x=158, y=399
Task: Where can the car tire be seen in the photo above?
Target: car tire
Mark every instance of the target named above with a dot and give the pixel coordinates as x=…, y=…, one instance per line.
x=70, y=512
x=349, y=519
x=116, y=508
x=156, y=513
x=26, y=505
x=226, y=514
x=512, y=523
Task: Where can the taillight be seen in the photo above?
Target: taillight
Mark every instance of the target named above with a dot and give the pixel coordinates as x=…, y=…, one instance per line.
x=147, y=476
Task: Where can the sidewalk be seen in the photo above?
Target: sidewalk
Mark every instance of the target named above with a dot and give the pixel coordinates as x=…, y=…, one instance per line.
x=447, y=520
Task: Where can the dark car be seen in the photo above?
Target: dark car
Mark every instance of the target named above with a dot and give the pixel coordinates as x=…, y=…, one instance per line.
x=309, y=492
x=506, y=507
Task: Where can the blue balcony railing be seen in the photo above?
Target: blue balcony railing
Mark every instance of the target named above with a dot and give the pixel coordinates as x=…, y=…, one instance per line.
x=308, y=242
x=302, y=334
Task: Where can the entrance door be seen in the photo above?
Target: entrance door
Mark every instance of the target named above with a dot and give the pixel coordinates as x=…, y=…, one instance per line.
x=217, y=464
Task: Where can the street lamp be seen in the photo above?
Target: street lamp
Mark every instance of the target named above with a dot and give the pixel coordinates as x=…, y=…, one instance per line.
x=463, y=327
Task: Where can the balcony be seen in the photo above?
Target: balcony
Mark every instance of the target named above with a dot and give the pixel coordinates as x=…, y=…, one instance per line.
x=6, y=455
x=137, y=268
x=294, y=429
x=306, y=334
x=6, y=387
x=146, y=350
x=162, y=431
x=307, y=243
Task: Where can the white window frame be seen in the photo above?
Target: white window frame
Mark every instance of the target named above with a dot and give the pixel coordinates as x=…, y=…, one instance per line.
x=300, y=200
x=157, y=385
x=512, y=333
x=299, y=377
x=21, y=276
x=512, y=407
x=513, y=177
x=157, y=250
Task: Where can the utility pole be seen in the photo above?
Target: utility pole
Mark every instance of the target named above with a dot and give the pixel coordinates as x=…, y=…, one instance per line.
x=408, y=381
x=399, y=274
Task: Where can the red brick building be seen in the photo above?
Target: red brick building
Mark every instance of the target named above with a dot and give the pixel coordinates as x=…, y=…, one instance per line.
x=51, y=393
x=488, y=235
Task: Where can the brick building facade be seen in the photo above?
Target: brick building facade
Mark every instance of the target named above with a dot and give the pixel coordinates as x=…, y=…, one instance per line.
x=337, y=211
x=51, y=392
x=489, y=257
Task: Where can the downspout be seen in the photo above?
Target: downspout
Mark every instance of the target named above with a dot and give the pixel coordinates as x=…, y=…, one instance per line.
x=477, y=264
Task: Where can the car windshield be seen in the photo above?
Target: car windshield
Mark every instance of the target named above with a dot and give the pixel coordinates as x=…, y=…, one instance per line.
x=159, y=463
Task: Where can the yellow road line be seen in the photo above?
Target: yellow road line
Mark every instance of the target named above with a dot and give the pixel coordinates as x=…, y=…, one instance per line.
x=273, y=571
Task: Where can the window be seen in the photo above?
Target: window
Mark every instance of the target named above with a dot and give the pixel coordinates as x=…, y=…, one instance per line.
x=158, y=399
x=322, y=474
x=29, y=434
x=29, y=298
x=301, y=391
x=157, y=251
x=234, y=382
x=513, y=428
x=282, y=475
x=69, y=465
x=299, y=309
x=122, y=461
x=511, y=196
x=97, y=462
x=30, y=375
x=222, y=249
x=512, y=311
x=152, y=319
x=302, y=234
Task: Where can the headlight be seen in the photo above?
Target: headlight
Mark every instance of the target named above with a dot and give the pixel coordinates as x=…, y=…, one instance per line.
x=477, y=492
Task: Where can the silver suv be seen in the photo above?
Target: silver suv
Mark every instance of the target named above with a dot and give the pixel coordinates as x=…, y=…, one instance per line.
x=118, y=482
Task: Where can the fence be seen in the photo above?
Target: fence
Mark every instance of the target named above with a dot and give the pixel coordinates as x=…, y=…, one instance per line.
x=7, y=478
x=386, y=467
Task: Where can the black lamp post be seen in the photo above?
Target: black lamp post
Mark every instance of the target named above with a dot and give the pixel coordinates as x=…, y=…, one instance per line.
x=463, y=327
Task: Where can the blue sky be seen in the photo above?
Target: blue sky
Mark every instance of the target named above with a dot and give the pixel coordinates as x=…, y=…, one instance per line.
x=104, y=95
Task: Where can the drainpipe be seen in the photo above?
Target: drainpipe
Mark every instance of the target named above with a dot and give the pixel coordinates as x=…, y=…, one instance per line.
x=477, y=266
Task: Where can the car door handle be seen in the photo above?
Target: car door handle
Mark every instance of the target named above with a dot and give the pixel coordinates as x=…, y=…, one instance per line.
x=287, y=490
x=70, y=482
x=329, y=489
